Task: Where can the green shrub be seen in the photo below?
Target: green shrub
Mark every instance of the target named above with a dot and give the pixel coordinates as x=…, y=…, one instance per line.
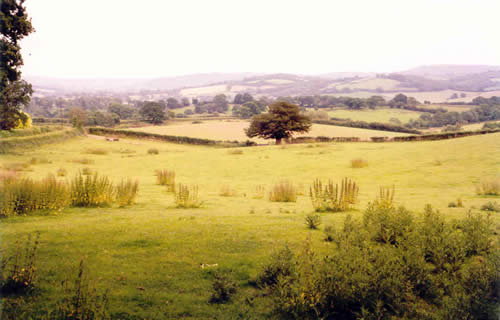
x=491, y=206
x=428, y=269
x=91, y=191
x=280, y=265
x=153, y=151
x=25, y=195
x=283, y=191
x=61, y=172
x=223, y=288
x=96, y=151
x=166, y=178
x=126, y=192
x=18, y=271
x=489, y=186
x=187, y=196
x=330, y=233
x=332, y=198
x=359, y=163
x=313, y=221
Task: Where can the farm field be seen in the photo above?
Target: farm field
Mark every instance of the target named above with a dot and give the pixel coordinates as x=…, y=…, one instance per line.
x=150, y=254
x=377, y=115
x=233, y=130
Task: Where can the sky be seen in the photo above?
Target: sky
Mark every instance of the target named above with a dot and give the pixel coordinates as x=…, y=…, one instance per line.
x=161, y=38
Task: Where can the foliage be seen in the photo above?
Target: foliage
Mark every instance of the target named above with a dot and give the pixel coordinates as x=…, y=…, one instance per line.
x=81, y=300
x=153, y=112
x=103, y=119
x=187, y=196
x=330, y=233
x=248, y=109
x=126, y=192
x=359, y=163
x=368, y=125
x=283, y=191
x=491, y=206
x=332, y=198
x=223, y=288
x=96, y=151
x=313, y=221
x=491, y=126
x=282, y=120
x=427, y=269
x=259, y=192
x=166, y=178
x=279, y=266
x=489, y=186
x=153, y=151
x=385, y=198
x=91, y=191
x=18, y=271
x=227, y=191
x=25, y=195
x=14, y=92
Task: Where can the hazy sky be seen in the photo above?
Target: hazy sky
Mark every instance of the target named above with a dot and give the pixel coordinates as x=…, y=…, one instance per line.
x=153, y=38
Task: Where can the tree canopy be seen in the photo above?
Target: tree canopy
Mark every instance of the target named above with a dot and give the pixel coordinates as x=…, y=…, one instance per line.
x=281, y=122
x=14, y=92
x=153, y=112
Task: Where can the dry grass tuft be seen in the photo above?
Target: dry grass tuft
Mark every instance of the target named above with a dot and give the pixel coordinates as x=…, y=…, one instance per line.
x=359, y=163
x=283, y=191
x=489, y=186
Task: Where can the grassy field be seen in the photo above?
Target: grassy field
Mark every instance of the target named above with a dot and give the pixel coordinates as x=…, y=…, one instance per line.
x=149, y=255
x=233, y=130
x=378, y=115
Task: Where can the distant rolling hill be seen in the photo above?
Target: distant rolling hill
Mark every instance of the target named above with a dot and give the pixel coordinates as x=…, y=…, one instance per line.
x=439, y=82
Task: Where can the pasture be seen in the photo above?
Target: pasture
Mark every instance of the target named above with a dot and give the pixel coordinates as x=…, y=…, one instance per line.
x=234, y=130
x=377, y=115
x=152, y=255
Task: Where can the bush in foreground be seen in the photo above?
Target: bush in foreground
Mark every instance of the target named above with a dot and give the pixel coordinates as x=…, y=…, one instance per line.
x=166, y=178
x=126, y=192
x=187, y=196
x=25, y=195
x=91, y=191
x=392, y=265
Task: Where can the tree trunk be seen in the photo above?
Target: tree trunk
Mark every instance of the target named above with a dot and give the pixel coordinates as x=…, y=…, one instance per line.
x=278, y=140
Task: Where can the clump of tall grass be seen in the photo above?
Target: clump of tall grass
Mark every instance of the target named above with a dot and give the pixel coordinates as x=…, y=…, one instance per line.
x=7, y=175
x=491, y=206
x=235, y=151
x=25, y=195
x=385, y=198
x=86, y=171
x=61, y=172
x=18, y=271
x=34, y=161
x=166, y=178
x=187, y=196
x=260, y=191
x=153, y=151
x=83, y=161
x=96, y=151
x=332, y=197
x=126, y=192
x=489, y=186
x=227, y=191
x=359, y=163
x=283, y=191
x=17, y=166
x=91, y=191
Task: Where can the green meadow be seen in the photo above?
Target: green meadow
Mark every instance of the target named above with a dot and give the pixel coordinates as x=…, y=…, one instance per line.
x=152, y=256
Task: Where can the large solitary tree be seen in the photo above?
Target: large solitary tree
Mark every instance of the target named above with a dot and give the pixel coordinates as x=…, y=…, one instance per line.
x=153, y=112
x=281, y=122
x=14, y=92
